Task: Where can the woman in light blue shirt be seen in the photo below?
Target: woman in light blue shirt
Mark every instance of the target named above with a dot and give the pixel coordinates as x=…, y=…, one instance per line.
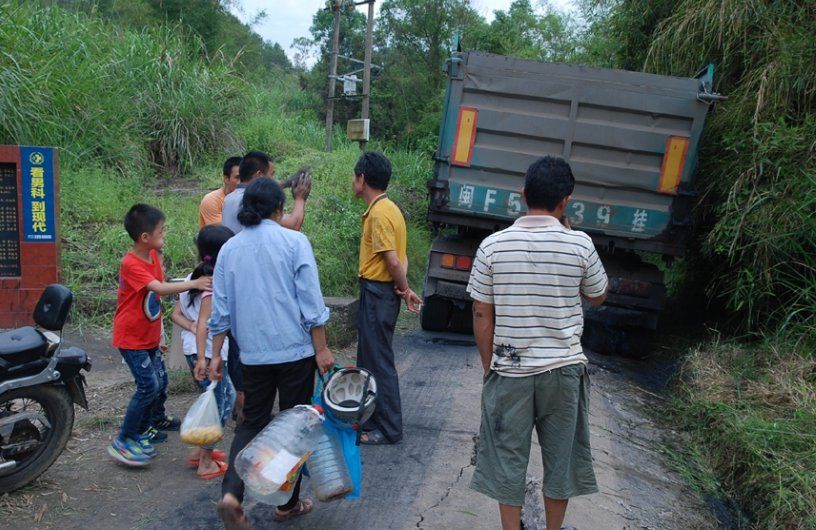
x=266, y=291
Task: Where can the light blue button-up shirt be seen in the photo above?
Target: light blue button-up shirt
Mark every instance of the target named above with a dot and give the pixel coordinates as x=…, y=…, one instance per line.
x=266, y=290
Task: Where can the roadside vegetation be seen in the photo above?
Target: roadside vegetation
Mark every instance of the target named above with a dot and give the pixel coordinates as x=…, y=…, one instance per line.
x=748, y=397
x=145, y=116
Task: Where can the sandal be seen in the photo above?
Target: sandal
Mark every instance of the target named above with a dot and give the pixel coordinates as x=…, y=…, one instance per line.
x=302, y=507
x=222, y=469
x=374, y=438
x=233, y=516
x=217, y=454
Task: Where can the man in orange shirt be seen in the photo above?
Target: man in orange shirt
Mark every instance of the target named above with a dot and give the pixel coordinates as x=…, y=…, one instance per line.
x=209, y=212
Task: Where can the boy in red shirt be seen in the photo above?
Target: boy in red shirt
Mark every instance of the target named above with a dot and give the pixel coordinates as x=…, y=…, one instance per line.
x=137, y=329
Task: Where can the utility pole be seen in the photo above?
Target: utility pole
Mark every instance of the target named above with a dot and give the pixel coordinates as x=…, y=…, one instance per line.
x=333, y=74
x=367, y=67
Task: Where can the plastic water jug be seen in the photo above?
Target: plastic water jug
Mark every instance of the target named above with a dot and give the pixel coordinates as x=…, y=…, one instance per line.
x=329, y=474
x=278, y=498
x=272, y=460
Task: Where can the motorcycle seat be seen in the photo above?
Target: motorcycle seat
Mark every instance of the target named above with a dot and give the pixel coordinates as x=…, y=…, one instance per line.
x=22, y=345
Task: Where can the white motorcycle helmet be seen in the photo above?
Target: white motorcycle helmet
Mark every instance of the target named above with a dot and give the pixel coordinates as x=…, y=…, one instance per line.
x=343, y=392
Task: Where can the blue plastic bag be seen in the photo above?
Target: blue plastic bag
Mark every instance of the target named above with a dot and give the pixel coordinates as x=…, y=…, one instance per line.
x=348, y=441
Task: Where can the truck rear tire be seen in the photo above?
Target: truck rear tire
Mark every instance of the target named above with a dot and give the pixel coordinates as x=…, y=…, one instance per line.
x=621, y=341
x=435, y=314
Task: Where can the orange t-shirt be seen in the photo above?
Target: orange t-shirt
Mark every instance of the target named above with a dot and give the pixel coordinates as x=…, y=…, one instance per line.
x=209, y=211
x=137, y=322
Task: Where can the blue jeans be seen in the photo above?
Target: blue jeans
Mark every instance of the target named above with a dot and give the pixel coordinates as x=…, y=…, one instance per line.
x=224, y=391
x=146, y=407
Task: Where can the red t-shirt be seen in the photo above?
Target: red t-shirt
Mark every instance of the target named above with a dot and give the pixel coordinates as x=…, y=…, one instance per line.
x=137, y=322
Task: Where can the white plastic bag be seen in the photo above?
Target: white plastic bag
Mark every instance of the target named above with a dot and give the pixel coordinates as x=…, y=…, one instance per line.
x=202, y=423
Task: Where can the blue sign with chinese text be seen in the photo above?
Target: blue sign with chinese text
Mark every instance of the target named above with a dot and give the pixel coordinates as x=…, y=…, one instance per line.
x=39, y=219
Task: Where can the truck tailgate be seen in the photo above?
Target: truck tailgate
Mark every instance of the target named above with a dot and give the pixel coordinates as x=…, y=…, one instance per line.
x=631, y=139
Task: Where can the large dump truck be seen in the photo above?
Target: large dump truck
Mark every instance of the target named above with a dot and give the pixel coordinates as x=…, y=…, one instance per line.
x=631, y=139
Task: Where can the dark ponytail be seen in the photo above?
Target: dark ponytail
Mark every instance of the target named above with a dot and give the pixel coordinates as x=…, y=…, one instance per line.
x=261, y=199
x=209, y=241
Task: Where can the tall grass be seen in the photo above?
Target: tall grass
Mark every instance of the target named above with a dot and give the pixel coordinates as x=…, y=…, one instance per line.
x=124, y=99
x=751, y=408
x=758, y=162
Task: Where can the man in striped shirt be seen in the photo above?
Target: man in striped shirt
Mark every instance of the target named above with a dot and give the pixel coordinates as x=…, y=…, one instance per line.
x=527, y=283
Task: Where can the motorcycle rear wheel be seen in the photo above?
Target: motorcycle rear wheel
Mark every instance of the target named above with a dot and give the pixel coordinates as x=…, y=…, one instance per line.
x=59, y=411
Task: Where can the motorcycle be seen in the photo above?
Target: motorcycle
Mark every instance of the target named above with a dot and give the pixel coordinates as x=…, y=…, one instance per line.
x=39, y=383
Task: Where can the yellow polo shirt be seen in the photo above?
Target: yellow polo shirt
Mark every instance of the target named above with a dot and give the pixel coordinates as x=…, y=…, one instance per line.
x=383, y=230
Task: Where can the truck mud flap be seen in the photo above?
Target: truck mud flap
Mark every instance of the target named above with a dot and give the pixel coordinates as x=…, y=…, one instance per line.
x=452, y=291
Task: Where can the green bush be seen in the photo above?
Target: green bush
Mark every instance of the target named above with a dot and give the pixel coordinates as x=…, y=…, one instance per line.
x=119, y=98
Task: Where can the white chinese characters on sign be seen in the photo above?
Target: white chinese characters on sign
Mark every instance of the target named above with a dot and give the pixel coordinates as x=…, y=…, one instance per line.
x=639, y=220
x=466, y=196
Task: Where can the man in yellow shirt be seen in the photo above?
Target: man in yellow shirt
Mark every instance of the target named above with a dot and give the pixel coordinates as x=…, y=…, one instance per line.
x=209, y=212
x=383, y=281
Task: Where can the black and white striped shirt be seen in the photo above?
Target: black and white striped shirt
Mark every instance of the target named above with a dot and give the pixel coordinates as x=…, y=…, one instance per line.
x=534, y=273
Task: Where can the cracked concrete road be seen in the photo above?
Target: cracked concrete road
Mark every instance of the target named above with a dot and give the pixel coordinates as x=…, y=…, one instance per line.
x=419, y=483
x=423, y=481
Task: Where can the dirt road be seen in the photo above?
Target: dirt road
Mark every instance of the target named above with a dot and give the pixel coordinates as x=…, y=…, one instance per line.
x=420, y=483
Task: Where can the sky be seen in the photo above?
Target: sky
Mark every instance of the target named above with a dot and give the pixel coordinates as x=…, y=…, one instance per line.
x=287, y=20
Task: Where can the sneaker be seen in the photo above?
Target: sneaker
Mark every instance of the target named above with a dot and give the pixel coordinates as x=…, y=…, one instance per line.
x=129, y=452
x=147, y=447
x=154, y=436
x=169, y=423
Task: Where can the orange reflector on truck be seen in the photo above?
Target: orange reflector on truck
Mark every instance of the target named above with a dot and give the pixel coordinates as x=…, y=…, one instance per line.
x=465, y=136
x=448, y=261
x=673, y=163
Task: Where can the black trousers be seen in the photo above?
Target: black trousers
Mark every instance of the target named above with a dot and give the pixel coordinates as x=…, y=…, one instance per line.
x=234, y=363
x=294, y=382
x=376, y=320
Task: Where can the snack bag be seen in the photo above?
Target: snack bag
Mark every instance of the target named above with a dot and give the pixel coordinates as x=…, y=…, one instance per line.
x=202, y=423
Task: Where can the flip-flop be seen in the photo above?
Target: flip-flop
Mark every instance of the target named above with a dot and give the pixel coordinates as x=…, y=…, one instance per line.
x=374, y=438
x=222, y=469
x=217, y=454
x=233, y=516
x=302, y=507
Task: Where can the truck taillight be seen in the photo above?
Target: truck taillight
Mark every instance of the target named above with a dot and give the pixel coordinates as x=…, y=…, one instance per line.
x=463, y=263
x=465, y=137
x=674, y=160
x=452, y=261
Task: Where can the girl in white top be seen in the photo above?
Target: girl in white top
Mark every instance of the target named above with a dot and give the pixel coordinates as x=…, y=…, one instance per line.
x=191, y=313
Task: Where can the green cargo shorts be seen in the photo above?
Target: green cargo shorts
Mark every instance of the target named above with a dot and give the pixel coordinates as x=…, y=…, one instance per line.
x=557, y=403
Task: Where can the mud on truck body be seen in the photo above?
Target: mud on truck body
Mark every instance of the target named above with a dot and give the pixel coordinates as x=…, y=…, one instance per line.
x=631, y=139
